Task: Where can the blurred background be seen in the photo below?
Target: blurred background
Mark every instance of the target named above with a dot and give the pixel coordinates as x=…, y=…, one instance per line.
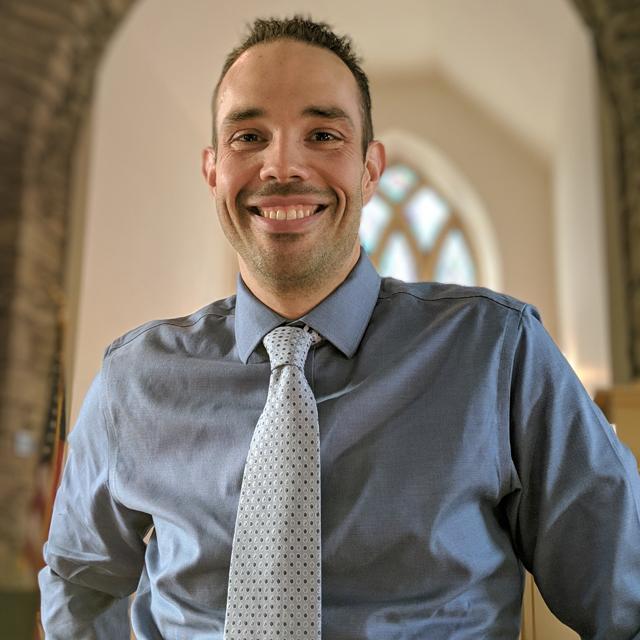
x=513, y=136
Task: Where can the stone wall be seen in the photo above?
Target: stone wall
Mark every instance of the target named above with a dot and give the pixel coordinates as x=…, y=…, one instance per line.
x=49, y=50
x=615, y=25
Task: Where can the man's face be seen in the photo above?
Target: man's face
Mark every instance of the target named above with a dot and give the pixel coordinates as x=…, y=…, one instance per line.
x=288, y=174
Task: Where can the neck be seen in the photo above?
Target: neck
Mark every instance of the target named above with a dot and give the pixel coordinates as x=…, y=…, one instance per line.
x=294, y=303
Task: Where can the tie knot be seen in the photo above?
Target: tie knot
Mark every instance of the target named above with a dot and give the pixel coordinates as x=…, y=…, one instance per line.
x=289, y=345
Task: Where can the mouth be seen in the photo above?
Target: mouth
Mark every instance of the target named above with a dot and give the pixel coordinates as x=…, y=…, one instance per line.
x=288, y=212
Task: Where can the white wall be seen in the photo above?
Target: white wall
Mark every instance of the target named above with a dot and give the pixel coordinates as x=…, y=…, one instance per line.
x=579, y=219
x=512, y=180
x=152, y=244
x=153, y=247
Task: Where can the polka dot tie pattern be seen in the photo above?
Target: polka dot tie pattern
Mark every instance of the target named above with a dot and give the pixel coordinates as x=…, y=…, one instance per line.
x=275, y=574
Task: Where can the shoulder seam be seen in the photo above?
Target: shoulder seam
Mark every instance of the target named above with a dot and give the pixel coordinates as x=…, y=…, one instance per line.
x=511, y=330
x=175, y=322
x=513, y=307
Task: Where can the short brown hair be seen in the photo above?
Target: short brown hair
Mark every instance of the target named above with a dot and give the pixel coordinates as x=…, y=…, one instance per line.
x=318, y=34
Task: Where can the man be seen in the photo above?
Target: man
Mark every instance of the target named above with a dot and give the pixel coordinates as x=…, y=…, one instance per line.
x=456, y=446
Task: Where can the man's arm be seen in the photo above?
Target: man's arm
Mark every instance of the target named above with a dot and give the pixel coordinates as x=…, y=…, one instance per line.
x=575, y=520
x=95, y=550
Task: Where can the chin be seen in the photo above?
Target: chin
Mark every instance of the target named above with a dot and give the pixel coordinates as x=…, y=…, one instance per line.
x=283, y=277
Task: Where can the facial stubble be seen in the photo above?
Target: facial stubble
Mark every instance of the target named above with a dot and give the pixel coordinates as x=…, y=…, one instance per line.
x=304, y=273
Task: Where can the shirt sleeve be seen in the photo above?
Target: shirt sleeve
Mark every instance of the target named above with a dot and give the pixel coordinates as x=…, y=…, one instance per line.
x=575, y=521
x=95, y=551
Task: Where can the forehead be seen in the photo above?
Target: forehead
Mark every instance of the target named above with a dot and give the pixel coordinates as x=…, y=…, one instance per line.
x=291, y=75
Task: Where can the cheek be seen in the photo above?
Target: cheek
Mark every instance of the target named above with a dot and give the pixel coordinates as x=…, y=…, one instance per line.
x=349, y=175
x=235, y=177
x=345, y=177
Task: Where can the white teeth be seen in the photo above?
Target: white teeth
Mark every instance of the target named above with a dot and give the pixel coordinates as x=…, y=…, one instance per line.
x=287, y=213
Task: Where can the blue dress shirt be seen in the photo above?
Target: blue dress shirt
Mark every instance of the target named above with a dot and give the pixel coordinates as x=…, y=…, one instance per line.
x=457, y=445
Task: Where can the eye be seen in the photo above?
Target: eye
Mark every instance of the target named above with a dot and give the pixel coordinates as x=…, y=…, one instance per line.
x=323, y=136
x=246, y=137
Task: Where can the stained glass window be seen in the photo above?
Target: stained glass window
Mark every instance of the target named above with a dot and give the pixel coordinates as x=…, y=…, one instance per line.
x=375, y=217
x=454, y=262
x=427, y=212
x=412, y=233
x=396, y=182
x=397, y=259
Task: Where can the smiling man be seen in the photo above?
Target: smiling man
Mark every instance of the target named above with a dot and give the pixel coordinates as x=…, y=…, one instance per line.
x=328, y=453
x=289, y=172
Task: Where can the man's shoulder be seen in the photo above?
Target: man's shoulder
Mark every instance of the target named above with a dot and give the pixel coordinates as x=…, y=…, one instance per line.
x=450, y=294
x=168, y=329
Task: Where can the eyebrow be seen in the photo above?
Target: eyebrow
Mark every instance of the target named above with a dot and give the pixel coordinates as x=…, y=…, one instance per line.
x=243, y=114
x=316, y=111
x=331, y=113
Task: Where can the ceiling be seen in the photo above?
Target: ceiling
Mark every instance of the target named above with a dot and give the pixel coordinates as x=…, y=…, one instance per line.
x=513, y=57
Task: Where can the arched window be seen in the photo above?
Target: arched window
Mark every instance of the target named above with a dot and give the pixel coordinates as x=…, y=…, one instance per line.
x=425, y=222
x=412, y=233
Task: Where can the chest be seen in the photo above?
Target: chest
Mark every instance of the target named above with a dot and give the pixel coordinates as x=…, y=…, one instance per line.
x=402, y=434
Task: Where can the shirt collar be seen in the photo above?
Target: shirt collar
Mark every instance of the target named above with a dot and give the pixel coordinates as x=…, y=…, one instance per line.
x=341, y=318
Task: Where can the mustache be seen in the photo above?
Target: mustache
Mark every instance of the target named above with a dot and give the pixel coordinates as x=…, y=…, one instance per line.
x=279, y=189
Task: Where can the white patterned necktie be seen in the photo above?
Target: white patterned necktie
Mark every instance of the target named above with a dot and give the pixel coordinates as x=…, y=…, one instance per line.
x=274, y=578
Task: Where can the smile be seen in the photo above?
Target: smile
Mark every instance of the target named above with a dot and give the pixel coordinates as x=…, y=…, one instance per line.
x=288, y=212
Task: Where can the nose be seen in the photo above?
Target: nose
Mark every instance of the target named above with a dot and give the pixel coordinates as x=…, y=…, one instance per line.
x=284, y=160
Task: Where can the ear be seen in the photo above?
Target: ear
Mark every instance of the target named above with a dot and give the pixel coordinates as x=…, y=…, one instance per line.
x=209, y=166
x=374, y=164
